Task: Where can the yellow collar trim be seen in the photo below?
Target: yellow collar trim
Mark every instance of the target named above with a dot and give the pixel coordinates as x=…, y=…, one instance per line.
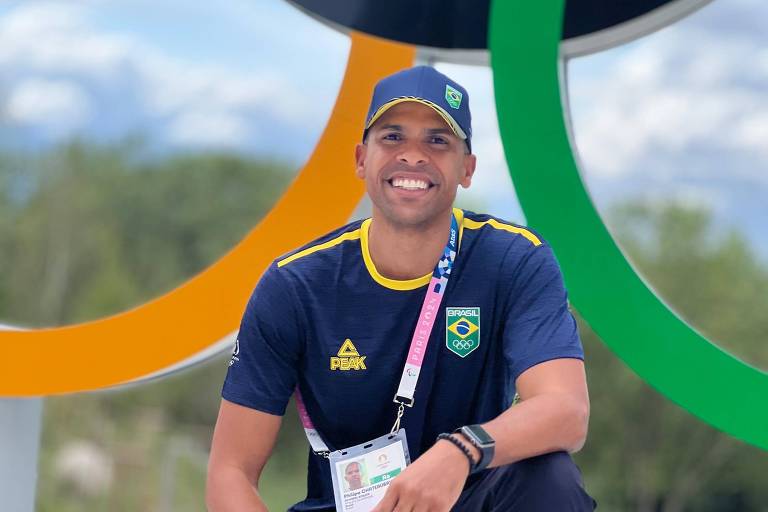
x=397, y=284
x=350, y=235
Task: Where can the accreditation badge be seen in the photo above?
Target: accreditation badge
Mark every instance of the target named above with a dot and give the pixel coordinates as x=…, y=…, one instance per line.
x=362, y=473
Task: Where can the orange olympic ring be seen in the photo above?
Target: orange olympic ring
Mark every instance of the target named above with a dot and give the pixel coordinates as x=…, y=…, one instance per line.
x=205, y=309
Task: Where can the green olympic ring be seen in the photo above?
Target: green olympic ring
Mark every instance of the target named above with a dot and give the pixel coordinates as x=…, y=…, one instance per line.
x=723, y=391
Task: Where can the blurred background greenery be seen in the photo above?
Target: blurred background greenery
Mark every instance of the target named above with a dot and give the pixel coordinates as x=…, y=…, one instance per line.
x=89, y=230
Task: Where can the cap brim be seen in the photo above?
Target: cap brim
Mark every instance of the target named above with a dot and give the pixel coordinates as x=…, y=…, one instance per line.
x=437, y=108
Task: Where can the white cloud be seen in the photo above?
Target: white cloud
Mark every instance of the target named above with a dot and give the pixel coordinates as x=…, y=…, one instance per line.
x=173, y=87
x=670, y=93
x=59, y=104
x=45, y=41
x=56, y=38
x=752, y=131
x=209, y=129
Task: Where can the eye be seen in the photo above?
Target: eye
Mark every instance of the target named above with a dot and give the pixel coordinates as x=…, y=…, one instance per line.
x=438, y=139
x=392, y=136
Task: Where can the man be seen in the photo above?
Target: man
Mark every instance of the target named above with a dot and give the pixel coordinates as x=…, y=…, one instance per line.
x=353, y=476
x=333, y=320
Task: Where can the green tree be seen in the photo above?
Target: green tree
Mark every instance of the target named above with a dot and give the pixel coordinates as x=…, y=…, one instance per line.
x=88, y=231
x=645, y=453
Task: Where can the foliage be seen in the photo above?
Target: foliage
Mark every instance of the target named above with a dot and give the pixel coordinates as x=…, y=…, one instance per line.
x=644, y=452
x=89, y=231
x=94, y=232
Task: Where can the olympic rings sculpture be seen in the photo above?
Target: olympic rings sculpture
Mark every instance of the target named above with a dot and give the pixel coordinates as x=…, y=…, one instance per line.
x=525, y=49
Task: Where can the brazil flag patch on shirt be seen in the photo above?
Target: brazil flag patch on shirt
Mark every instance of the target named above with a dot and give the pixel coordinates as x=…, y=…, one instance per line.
x=462, y=330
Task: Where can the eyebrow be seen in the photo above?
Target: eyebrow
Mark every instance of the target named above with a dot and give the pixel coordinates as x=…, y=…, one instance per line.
x=439, y=131
x=430, y=131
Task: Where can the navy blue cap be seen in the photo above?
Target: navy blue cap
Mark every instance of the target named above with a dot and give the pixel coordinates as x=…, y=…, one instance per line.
x=426, y=85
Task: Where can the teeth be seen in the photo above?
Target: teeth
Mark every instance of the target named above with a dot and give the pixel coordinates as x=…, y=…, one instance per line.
x=409, y=184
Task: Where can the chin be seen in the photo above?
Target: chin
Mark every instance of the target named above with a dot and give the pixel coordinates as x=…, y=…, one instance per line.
x=411, y=218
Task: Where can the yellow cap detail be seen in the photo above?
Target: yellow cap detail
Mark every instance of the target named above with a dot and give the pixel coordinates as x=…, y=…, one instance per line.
x=437, y=108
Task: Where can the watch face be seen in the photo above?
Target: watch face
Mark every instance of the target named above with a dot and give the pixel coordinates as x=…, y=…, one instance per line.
x=480, y=434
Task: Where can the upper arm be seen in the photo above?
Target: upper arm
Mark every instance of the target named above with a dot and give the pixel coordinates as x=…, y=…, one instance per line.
x=242, y=440
x=259, y=382
x=539, y=326
x=557, y=376
x=262, y=374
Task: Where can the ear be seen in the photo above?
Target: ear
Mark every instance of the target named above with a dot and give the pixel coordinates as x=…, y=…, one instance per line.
x=360, y=152
x=470, y=161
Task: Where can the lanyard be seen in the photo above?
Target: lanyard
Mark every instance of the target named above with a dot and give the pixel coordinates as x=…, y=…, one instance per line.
x=419, y=342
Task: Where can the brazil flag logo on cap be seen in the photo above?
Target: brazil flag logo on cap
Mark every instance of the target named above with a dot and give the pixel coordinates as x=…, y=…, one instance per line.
x=452, y=96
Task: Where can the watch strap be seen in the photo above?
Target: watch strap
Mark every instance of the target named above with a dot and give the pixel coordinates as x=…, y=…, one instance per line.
x=486, y=449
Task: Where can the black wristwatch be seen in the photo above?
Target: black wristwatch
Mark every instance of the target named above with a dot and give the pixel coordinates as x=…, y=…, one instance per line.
x=480, y=440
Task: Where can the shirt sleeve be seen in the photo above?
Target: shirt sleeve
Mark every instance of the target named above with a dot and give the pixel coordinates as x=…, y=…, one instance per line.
x=539, y=325
x=262, y=371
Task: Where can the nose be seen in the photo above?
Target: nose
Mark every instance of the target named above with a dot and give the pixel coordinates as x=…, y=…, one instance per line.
x=412, y=154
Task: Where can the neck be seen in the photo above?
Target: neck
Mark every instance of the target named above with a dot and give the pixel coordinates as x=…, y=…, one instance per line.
x=407, y=252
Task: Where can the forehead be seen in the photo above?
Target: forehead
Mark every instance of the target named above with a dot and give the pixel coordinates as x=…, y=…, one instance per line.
x=411, y=114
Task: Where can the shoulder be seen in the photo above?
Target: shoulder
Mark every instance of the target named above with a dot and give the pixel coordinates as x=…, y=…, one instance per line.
x=500, y=242
x=487, y=229
x=282, y=280
x=322, y=248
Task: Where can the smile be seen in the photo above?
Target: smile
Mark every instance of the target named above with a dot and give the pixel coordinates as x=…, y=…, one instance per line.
x=410, y=183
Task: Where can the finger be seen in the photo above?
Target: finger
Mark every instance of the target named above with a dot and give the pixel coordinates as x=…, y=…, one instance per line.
x=388, y=502
x=404, y=506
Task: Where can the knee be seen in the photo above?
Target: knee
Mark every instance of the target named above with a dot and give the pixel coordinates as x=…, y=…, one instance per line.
x=554, y=473
x=549, y=465
x=539, y=484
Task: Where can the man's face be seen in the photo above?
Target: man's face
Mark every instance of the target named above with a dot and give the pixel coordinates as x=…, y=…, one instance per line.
x=412, y=164
x=352, y=476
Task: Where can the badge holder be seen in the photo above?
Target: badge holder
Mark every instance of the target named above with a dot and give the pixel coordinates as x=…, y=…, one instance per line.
x=362, y=473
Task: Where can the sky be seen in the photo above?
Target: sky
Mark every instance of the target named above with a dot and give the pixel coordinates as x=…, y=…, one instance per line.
x=680, y=114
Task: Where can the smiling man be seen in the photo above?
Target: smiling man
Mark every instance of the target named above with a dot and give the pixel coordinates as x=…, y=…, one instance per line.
x=451, y=312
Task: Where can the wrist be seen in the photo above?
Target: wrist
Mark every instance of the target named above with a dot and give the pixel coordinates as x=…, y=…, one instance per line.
x=473, y=450
x=457, y=449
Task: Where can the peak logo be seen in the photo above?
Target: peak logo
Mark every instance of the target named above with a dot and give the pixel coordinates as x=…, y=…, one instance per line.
x=348, y=358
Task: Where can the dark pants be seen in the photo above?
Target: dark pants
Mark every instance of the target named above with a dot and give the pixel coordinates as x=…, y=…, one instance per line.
x=546, y=483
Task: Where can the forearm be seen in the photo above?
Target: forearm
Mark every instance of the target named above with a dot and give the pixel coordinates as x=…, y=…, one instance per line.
x=241, y=445
x=229, y=490
x=541, y=424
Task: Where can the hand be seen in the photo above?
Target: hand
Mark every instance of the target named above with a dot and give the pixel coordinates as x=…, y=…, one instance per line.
x=431, y=484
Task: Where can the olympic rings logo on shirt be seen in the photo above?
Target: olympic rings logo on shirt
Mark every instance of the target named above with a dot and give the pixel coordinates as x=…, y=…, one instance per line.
x=462, y=344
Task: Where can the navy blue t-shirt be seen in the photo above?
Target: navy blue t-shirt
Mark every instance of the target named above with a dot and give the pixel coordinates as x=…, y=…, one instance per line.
x=324, y=319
